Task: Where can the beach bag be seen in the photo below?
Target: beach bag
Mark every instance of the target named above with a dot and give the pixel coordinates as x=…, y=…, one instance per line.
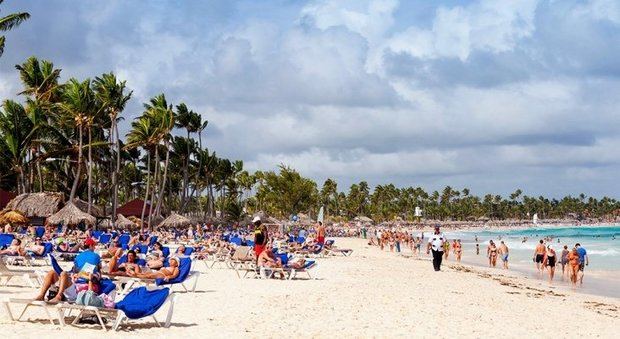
x=89, y=298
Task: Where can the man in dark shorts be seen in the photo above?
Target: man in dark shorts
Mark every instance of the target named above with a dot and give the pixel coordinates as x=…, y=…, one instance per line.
x=539, y=255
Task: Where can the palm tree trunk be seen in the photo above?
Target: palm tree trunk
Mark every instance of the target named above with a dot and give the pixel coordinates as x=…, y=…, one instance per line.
x=185, y=174
x=148, y=184
x=90, y=169
x=163, y=181
x=114, y=137
x=79, y=168
x=155, y=184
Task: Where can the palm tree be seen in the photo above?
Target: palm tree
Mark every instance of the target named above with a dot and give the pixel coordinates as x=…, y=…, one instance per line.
x=113, y=98
x=9, y=22
x=79, y=105
x=142, y=134
x=15, y=136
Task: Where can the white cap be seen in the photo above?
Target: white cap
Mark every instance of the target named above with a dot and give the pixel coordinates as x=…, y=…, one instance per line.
x=256, y=218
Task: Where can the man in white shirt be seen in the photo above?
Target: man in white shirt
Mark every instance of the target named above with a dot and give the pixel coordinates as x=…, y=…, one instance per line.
x=435, y=243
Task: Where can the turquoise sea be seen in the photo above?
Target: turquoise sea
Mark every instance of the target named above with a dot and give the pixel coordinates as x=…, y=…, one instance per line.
x=602, y=244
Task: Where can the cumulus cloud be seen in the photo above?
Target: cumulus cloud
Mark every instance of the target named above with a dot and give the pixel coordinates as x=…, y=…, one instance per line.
x=491, y=95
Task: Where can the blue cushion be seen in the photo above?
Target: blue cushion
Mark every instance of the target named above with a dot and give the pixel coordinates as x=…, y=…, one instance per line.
x=6, y=239
x=39, y=232
x=141, y=302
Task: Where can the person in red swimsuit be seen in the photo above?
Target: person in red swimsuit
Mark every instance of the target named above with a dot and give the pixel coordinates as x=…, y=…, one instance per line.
x=260, y=236
x=320, y=233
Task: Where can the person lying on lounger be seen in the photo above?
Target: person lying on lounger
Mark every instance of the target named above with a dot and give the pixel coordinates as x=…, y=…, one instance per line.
x=14, y=249
x=156, y=257
x=166, y=273
x=37, y=248
x=123, y=269
x=296, y=263
x=268, y=259
x=111, y=251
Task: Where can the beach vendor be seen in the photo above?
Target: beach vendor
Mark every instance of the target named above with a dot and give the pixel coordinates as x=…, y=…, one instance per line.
x=436, y=244
x=260, y=236
x=84, y=276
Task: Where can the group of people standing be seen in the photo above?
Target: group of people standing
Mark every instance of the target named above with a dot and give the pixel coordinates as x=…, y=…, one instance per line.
x=573, y=261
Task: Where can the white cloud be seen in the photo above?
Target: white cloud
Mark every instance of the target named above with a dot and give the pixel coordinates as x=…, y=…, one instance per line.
x=487, y=25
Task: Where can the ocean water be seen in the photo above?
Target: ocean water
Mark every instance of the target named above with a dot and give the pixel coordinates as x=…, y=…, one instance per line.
x=602, y=243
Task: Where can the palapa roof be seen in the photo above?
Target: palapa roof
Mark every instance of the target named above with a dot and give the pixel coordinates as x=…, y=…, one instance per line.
x=70, y=215
x=95, y=211
x=133, y=208
x=37, y=204
x=122, y=221
x=175, y=220
x=12, y=217
x=363, y=218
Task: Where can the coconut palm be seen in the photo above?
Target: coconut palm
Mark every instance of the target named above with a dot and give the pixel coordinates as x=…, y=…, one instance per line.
x=15, y=137
x=113, y=98
x=9, y=22
x=79, y=107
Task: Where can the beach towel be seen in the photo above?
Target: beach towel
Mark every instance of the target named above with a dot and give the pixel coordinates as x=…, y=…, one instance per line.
x=141, y=302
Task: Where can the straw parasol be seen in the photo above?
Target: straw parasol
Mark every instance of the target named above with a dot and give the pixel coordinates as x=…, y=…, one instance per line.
x=175, y=220
x=122, y=221
x=37, y=204
x=70, y=215
x=95, y=210
x=13, y=217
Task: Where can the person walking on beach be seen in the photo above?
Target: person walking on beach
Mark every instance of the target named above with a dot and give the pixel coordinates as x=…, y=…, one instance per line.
x=550, y=259
x=503, y=252
x=573, y=260
x=583, y=261
x=539, y=255
x=477, y=249
x=492, y=253
x=564, y=260
x=435, y=243
x=458, y=249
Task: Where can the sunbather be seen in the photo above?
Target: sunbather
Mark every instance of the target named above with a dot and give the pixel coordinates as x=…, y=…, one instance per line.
x=268, y=259
x=37, y=248
x=166, y=273
x=156, y=257
x=14, y=249
x=111, y=251
x=129, y=266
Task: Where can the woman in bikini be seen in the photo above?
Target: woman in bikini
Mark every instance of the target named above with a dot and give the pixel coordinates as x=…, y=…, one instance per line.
x=166, y=273
x=573, y=261
x=458, y=249
x=493, y=254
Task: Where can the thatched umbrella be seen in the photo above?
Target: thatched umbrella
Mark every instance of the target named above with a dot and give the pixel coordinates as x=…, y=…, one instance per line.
x=122, y=221
x=175, y=220
x=134, y=219
x=13, y=217
x=95, y=210
x=37, y=204
x=70, y=215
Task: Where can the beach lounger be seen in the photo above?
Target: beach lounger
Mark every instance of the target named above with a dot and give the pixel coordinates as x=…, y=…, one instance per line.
x=29, y=303
x=183, y=279
x=33, y=278
x=30, y=258
x=292, y=272
x=140, y=303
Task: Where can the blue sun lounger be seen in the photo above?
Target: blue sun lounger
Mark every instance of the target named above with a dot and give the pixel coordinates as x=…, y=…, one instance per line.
x=140, y=303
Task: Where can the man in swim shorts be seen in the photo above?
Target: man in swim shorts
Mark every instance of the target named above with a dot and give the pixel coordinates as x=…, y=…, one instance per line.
x=539, y=255
x=503, y=251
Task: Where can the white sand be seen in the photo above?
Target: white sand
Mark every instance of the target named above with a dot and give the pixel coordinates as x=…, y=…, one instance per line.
x=371, y=294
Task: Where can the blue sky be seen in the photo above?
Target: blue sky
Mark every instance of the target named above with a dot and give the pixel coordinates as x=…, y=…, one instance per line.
x=490, y=95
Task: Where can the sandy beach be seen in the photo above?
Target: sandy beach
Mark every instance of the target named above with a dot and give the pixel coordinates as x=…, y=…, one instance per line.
x=370, y=294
